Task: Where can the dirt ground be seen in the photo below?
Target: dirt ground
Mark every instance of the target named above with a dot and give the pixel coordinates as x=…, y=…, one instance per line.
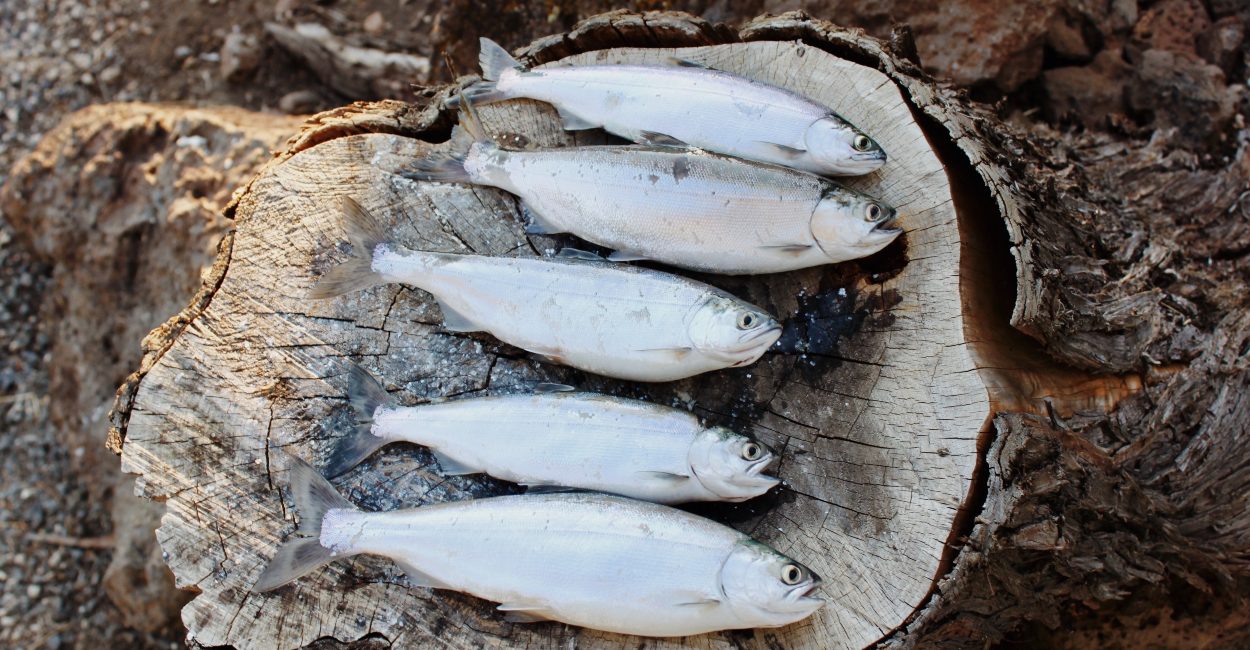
x=1081, y=74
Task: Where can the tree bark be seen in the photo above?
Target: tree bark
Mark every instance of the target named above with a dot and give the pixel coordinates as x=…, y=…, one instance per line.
x=952, y=478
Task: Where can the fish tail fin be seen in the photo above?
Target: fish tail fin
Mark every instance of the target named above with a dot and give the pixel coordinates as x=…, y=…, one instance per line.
x=447, y=165
x=303, y=554
x=495, y=60
x=366, y=395
x=365, y=234
x=478, y=92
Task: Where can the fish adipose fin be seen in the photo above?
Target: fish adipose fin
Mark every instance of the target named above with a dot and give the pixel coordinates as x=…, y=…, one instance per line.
x=419, y=578
x=789, y=153
x=447, y=164
x=304, y=553
x=659, y=139
x=494, y=61
x=452, y=467
x=525, y=613
x=365, y=235
x=454, y=321
x=573, y=122
x=538, y=224
x=366, y=396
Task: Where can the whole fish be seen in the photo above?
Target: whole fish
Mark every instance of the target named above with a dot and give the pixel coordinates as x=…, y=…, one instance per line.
x=604, y=318
x=683, y=207
x=686, y=104
x=594, y=560
x=578, y=440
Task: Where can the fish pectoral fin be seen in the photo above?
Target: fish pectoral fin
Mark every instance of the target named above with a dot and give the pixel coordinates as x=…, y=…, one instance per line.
x=686, y=63
x=658, y=139
x=702, y=602
x=547, y=387
x=419, y=578
x=621, y=256
x=667, y=477
x=452, y=467
x=570, y=253
x=782, y=150
x=454, y=321
x=793, y=249
x=525, y=612
x=677, y=353
x=537, y=224
x=573, y=122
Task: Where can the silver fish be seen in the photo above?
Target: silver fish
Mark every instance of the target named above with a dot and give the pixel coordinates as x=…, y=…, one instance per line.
x=686, y=208
x=604, y=318
x=686, y=104
x=579, y=440
x=594, y=560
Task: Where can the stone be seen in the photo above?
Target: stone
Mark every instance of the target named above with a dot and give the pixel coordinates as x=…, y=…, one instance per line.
x=137, y=580
x=374, y=23
x=240, y=54
x=1073, y=37
x=1221, y=44
x=1171, y=25
x=1087, y=94
x=1172, y=89
x=300, y=102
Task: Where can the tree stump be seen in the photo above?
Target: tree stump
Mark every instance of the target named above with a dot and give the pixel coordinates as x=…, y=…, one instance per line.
x=880, y=396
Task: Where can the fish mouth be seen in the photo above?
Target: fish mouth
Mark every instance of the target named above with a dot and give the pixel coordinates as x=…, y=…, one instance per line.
x=888, y=225
x=869, y=156
x=751, y=337
x=758, y=466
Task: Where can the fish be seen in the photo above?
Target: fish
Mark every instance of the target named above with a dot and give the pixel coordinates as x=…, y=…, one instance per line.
x=609, y=319
x=559, y=438
x=686, y=208
x=594, y=560
x=685, y=104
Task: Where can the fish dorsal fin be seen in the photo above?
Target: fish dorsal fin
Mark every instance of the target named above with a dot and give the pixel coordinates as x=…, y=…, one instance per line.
x=621, y=256
x=452, y=467
x=454, y=321
x=573, y=122
x=656, y=139
x=537, y=224
x=525, y=612
x=570, y=253
x=789, y=153
x=420, y=578
x=547, y=387
x=495, y=60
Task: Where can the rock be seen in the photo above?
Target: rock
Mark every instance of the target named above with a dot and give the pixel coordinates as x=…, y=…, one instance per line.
x=240, y=54
x=374, y=23
x=1220, y=45
x=1171, y=25
x=1087, y=94
x=1072, y=36
x=356, y=72
x=1172, y=89
x=300, y=102
x=124, y=201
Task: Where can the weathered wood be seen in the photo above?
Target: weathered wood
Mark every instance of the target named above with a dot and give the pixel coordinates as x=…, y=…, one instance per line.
x=910, y=354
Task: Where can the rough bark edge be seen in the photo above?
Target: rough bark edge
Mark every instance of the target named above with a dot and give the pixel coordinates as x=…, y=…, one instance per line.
x=360, y=117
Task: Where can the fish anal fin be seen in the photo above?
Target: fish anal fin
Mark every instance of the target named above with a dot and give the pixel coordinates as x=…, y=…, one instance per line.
x=453, y=467
x=573, y=122
x=789, y=153
x=621, y=256
x=454, y=321
x=658, y=139
x=420, y=578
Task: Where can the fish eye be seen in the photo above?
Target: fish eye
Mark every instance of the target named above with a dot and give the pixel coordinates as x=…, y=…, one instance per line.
x=747, y=320
x=752, y=451
x=872, y=213
x=862, y=143
x=791, y=574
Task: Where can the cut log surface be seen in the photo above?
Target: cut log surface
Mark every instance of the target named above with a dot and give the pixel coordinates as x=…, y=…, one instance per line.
x=872, y=397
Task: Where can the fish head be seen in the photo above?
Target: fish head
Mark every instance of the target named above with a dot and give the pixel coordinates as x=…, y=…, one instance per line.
x=730, y=464
x=841, y=149
x=848, y=225
x=731, y=331
x=767, y=589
